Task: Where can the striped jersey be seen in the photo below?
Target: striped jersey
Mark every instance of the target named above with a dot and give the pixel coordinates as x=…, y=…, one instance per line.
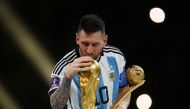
x=112, y=77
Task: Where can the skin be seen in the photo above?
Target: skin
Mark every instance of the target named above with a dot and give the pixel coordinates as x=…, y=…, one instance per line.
x=90, y=46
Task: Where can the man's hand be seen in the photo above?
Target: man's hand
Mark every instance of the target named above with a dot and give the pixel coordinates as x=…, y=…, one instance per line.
x=125, y=103
x=80, y=64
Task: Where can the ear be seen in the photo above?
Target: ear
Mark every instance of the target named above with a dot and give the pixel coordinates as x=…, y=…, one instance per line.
x=105, y=40
x=77, y=38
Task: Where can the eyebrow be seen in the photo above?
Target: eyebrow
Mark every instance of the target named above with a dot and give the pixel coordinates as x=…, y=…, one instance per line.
x=86, y=42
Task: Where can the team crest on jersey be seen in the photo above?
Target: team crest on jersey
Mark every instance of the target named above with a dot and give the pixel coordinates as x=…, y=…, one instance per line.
x=111, y=75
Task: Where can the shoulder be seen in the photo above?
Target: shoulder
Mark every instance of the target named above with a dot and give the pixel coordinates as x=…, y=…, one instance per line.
x=70, y=55
x=66, y=59
x=112, y=50
x=112, y=53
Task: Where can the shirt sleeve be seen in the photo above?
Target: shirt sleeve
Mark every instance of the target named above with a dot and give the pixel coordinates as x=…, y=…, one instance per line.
x=55, y=82
x=122, y=71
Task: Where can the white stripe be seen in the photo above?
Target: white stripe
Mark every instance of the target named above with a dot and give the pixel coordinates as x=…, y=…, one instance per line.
x=63, y=60
x=74, y=96
x=66, y=55
x=111, y=47
x=52, y=88
x=66, y=63
x=58, y=66
x=112, y=50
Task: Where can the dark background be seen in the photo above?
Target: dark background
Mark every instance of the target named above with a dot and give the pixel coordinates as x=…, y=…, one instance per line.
x=162, y=50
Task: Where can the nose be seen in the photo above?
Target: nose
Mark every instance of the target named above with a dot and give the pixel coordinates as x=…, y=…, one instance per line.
x=90, y=50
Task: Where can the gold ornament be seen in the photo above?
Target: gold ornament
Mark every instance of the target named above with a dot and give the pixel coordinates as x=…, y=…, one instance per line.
x=135, y=75
x=88, y=84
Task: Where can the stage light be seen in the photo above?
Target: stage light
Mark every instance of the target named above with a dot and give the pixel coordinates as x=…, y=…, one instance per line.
x=157, y=15
x=144, y=101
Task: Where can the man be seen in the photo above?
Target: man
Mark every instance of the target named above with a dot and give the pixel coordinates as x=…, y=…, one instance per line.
x=92, y=45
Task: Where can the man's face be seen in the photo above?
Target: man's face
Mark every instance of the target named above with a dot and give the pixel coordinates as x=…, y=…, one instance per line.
x=91, y=44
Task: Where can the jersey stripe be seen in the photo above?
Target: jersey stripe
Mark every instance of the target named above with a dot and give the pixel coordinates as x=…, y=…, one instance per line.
x=76, y=79
x=113, y=66
x=101, y=106
x=113, y=52
x=63, y=62
x=111, y=47
x=108, y=49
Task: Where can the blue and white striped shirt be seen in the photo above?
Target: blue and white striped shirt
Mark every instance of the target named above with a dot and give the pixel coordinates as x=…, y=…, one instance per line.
x=112, y=77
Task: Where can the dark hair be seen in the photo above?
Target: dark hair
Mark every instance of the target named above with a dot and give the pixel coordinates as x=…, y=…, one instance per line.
x=91, y=23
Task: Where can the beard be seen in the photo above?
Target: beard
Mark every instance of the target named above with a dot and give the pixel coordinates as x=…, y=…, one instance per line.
x=94, y=56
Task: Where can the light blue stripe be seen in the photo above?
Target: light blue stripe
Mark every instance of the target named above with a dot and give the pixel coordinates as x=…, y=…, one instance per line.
x=101, y=106
x=76, y=79
x=113, y=66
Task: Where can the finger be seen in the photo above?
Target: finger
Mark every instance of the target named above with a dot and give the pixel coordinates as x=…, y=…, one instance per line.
x=86, y=64
x=84, y=69
x=84, y=59
x=81, y=65
x=76, y=65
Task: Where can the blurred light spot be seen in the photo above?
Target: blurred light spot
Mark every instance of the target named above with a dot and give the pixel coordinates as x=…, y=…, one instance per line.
x=26, y=41
x=6, y=101
x=144, y=101
x=157, y=15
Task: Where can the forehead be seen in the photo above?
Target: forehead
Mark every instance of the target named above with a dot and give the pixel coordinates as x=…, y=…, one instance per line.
x=91, y=36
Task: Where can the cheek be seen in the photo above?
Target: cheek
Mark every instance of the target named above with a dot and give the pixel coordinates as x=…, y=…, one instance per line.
x=97, y=50
x=83, y=48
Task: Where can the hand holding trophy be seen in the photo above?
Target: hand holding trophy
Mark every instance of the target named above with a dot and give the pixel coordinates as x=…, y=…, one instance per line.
x=135, y=76
x=88, y=85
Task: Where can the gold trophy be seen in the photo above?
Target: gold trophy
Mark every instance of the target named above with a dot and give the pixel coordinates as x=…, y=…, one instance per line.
x=88, y=84
x=135, y=76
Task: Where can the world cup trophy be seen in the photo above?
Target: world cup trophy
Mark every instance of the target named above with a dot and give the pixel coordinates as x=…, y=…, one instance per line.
x=135, y=76
x=88, y=85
